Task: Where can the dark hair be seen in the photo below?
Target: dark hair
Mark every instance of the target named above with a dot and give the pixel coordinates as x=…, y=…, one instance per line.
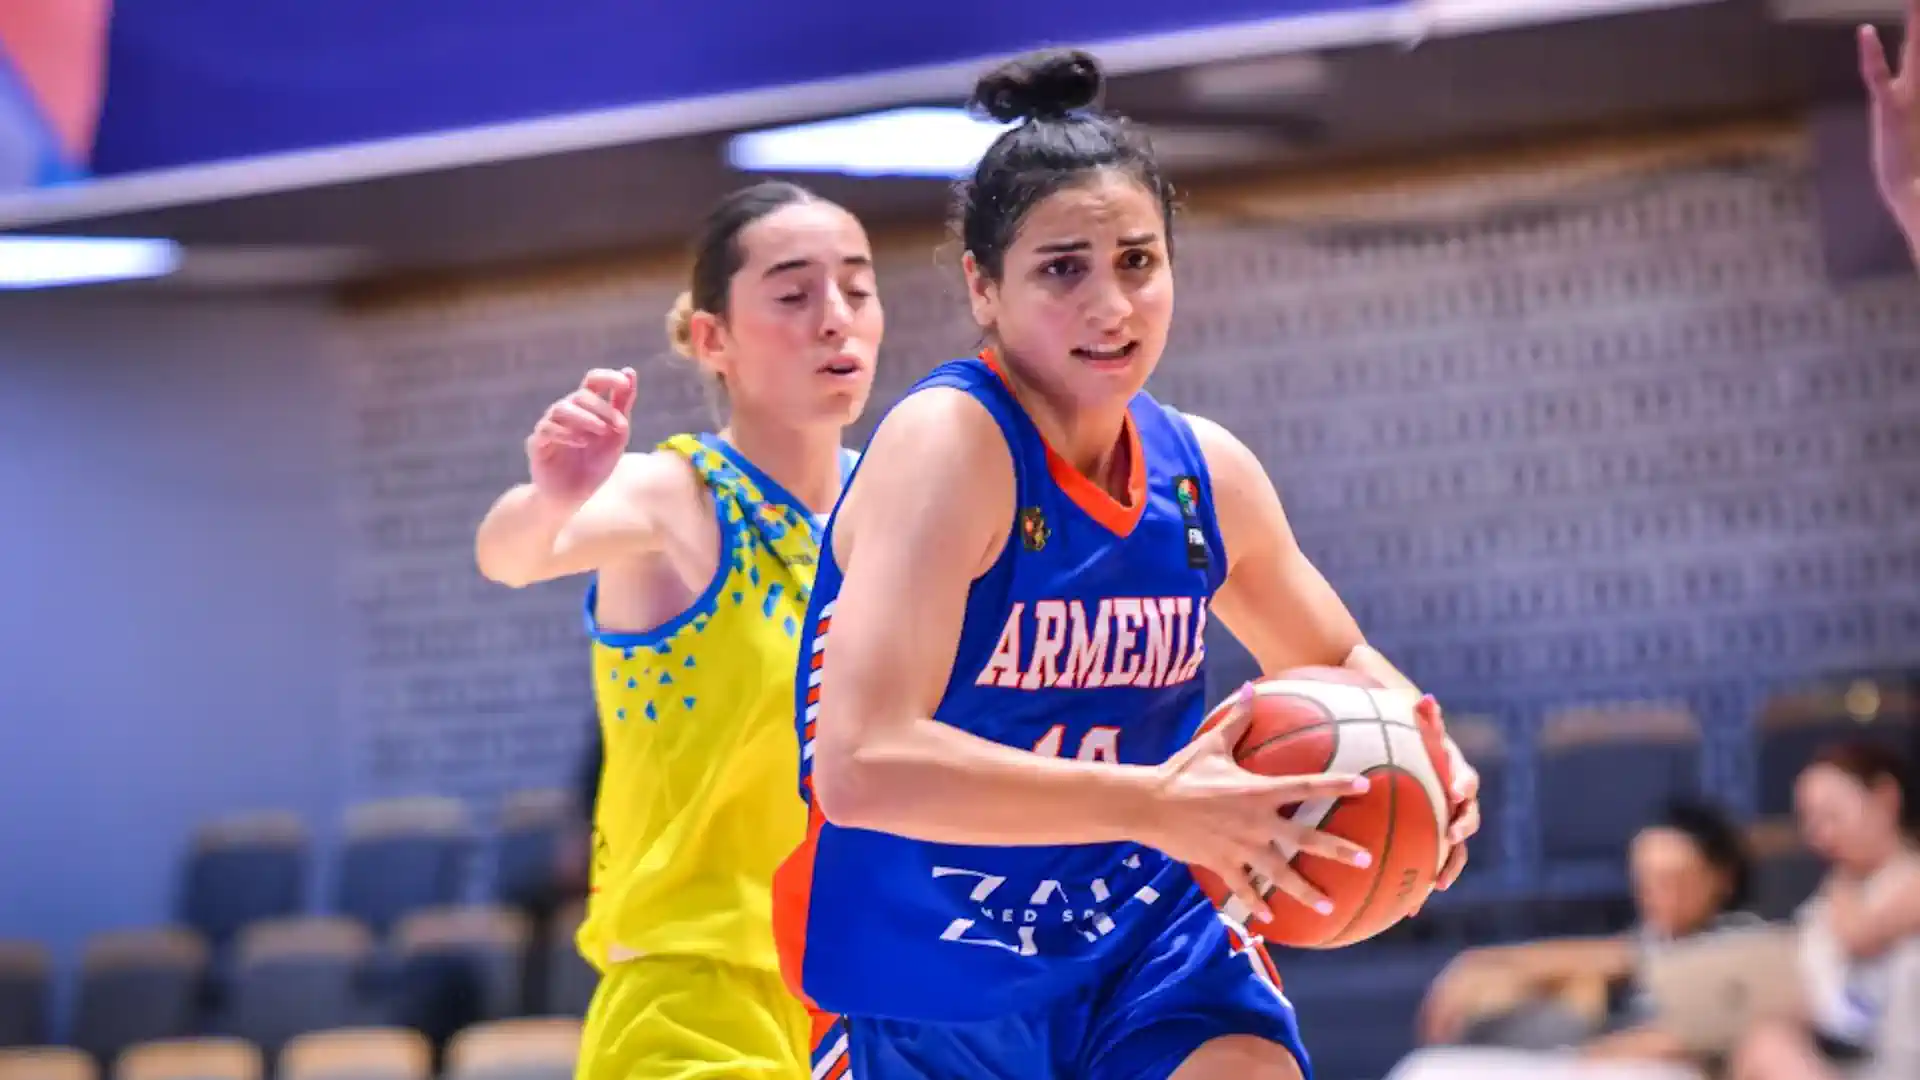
x=1720, y=842
x=1060, y=137
x=1871, y=763
x=717, y=255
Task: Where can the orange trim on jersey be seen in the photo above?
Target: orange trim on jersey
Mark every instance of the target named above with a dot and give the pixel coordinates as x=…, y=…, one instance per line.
x=792, y=897
x=1117, y=515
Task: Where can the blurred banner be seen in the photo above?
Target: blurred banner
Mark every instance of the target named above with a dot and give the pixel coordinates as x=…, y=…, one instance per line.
x=51, y=69
x=220, y=79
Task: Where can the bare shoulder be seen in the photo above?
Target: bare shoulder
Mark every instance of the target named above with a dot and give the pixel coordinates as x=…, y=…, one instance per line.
x=942, y=441
x=1227, y=457
x=937, y=473
x=660, y=480
x=933, y=422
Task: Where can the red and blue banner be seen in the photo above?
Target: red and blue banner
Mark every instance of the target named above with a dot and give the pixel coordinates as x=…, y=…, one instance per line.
x=202, y=80
x=52, y=62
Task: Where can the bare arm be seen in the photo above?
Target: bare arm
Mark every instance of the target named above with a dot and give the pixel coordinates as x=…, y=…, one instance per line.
x=927, y=514
x=532, y=535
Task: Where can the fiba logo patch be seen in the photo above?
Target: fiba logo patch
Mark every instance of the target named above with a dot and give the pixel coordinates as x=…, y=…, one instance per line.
x=1034, y=531
x=1186, y=492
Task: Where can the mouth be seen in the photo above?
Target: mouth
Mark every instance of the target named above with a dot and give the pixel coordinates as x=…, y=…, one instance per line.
x=1107, y=356
x=841, y=367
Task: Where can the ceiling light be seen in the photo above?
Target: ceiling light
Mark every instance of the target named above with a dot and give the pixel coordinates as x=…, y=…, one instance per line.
x=912, y=142
x=44, y=262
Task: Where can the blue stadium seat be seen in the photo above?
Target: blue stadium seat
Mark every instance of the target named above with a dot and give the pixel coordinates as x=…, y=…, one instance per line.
x=486, y=944
x=138, y=986
x=536, y=1049
x=23, y=993
x=243, y=870
x=47, y=1063
x=533, y=825
x=192, y=1059
x=570, y=980
x=402, y=856
x=295, y=976
x=1357, y=1005
x=1786, y=874
x=372, y=1053
x=1604, y=773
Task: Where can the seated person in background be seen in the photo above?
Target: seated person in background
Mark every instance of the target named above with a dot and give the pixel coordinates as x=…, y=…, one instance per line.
x=1511, y=1004
x=1860, y=935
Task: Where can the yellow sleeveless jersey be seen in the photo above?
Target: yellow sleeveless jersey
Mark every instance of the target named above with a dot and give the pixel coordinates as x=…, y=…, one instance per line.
x=699, y=795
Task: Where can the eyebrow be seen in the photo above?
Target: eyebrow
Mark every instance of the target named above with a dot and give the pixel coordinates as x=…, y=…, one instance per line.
x=1065, y=246
x=858, y=261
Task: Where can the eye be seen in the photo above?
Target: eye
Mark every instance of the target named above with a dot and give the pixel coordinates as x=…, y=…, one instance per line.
x=1066, y=266
x=794, y=299
x=1138, y=259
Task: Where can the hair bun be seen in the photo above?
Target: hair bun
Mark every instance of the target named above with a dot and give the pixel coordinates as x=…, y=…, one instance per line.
x=680, y=325
x=1039, y=86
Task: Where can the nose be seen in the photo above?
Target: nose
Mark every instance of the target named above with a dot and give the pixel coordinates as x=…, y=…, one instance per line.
x=837, y=316
x=1108, y=305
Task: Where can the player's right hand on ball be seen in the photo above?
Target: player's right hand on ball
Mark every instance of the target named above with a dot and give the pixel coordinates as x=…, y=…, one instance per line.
x=1215, y=814
x=581, y=437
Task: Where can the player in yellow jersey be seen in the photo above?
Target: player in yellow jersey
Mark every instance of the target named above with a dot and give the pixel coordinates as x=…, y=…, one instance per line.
x=703, y=553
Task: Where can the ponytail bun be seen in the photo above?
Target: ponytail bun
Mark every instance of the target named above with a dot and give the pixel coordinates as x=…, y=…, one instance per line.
x=680, y=325
x=1045, y=85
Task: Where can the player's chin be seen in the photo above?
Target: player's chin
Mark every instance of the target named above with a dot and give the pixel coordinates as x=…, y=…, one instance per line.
x=842, y=404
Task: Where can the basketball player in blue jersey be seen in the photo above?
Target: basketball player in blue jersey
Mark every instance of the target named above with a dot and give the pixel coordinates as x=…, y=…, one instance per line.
x=1001, y=683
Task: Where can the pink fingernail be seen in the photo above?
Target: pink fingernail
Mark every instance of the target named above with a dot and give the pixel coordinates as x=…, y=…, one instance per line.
x=1324, y=907
x=1360, y=786
x=1363, y=860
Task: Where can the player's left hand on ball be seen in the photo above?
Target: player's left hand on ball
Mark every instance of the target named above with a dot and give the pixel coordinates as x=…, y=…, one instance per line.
x=1465, y=796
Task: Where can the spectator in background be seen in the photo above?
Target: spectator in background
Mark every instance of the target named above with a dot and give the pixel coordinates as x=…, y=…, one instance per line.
x=1860, y=935
x=1575, y=1007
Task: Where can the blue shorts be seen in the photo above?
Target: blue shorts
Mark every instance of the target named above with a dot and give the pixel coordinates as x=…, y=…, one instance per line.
x=1196, y=981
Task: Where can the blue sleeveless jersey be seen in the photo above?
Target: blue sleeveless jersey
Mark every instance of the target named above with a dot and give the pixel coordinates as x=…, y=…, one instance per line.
x=1084, y=639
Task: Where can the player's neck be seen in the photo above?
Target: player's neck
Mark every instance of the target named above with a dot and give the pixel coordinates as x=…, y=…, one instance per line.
x=803, y=460
x=1092, y=441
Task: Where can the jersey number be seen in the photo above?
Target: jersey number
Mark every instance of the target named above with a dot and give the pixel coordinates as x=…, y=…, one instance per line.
x=1098, y=744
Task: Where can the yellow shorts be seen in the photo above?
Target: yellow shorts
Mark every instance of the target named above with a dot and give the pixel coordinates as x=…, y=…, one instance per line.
x=678, y=1018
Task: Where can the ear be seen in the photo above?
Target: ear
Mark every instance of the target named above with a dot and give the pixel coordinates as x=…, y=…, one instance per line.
x=983, y=293
x=710, y=342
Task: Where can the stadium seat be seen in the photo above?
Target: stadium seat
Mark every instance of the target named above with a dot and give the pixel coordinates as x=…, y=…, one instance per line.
x=538, y=1049
x=47, y=1063
x=570, y=979
x=1793, y=726
x=294, y=976
x=1604, y=773
x=242, y=870
x=1356, y=1005
x=356, y=1054
x=191, y=1059
x=138, y=986
x=402, y=856
x=23, y=993
x=1785, y=874
x=532, y=826
x=488, y=942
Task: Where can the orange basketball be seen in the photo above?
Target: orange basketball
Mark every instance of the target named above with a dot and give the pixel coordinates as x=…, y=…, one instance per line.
x=1315, y=720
